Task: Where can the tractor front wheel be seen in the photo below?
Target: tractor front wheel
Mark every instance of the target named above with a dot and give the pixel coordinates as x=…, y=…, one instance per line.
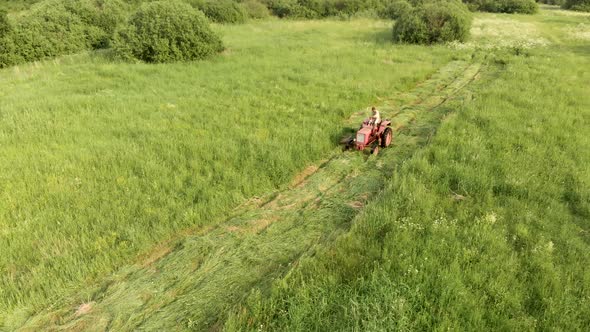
x=375, y=150
x=386, y=138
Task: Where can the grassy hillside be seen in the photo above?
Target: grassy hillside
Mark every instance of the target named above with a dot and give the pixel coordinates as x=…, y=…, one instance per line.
x=102, y=160
x=488, y=228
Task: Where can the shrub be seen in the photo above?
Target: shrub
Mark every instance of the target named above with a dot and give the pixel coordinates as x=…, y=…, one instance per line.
x=8, y=53
x=47, y=30
x=411, y=28
x=325, y=8
x=434, y=22
x=341, y=8
x=56, y=27
x=166, y=31
x=5, y=26
x=101, y=16
x=292, y=9
x=395, y=10
x=518, y=6
x=318, y=8
x=224, y=11
x=504, y=6
x=553, y=2
x=349, y=7
x=580, y=5
x=255, y=9
x=280, y=8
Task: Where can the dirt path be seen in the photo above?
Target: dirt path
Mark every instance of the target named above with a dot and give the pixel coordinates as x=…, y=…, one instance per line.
x=193, y=282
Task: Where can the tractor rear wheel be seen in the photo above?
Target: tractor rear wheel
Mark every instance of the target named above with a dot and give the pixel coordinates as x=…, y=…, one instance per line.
x=386, y=138
x=375, y=150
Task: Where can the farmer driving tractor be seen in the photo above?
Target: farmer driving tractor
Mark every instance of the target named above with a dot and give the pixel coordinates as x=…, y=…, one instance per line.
x=375, y=119
x=373, y=133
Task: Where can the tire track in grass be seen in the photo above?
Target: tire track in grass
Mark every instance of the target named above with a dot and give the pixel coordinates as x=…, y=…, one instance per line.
x=194, y=282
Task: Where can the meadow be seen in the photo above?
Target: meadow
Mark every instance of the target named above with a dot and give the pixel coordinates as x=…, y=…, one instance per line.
x=102, y=160
x=168, y=196
x=486, y=228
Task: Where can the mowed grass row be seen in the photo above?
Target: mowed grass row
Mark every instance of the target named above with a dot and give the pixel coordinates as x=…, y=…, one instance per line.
x=101, y=160
x=488, y=228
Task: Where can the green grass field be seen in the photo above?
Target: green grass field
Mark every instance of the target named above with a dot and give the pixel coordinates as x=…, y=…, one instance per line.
x=168, y=196
x=487, y=228
x=103, y=160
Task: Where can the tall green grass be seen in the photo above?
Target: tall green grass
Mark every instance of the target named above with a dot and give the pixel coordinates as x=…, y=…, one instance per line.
x=102, y=160
x=194, y=281
x=485, y=229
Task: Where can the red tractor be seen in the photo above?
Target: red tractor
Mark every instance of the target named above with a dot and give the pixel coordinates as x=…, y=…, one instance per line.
x=374, y=136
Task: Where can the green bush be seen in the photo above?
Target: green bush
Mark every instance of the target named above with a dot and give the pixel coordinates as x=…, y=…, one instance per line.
x=101, y=16
x=279, y=8
x=292, y=9
x=312, y=9
x=434, y=22
x=395, y=9
x=224, y=11
x=411, y=28
x=340, y=8
x=167, y=31
x=504, y=6
x=318, y=7
x=552, y=2
x=8, y=52
x=56, y=27
x=5, y=26
x=518, y=6
x=255, y=9
x=580, y=5
x=350, y=7
x=47, y=30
